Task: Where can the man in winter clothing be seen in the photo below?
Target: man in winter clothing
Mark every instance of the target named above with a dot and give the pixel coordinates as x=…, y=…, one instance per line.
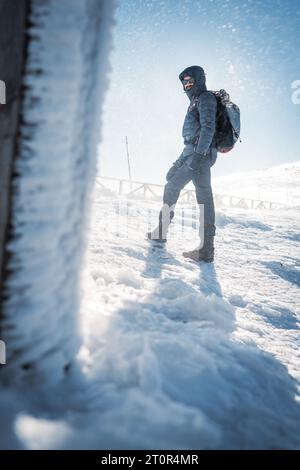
x=198, y=155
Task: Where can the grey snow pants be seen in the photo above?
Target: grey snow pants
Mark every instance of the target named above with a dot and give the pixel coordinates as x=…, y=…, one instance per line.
x=180, y=175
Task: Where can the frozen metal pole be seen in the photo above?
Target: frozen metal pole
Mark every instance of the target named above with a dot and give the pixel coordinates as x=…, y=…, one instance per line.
x=128, y=162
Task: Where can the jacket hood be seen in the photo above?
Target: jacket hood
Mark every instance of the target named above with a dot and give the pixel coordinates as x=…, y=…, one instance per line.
x=200, y=81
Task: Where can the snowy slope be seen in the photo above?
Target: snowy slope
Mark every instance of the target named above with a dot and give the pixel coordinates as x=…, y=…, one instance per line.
x=176, y=354
x=279, y=183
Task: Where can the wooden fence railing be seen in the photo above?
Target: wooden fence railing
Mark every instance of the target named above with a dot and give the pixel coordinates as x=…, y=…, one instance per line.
x=125, y=187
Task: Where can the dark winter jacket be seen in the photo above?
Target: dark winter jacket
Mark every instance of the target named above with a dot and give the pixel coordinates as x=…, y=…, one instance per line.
x=200, y=120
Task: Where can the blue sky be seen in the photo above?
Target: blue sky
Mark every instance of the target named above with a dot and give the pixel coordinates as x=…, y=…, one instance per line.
x=250, y=47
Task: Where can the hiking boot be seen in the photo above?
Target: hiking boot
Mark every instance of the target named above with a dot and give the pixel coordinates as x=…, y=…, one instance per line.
x=159, y=234
x=200, y=255
x=156, y=235
x=206, y=253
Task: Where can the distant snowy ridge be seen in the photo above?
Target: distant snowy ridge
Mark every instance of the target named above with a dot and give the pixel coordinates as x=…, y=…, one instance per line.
x=279, y=183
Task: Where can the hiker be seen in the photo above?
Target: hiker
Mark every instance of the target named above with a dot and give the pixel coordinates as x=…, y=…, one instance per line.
x=198, y=155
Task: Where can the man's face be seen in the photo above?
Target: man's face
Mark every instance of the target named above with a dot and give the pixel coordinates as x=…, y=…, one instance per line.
x=188, y=82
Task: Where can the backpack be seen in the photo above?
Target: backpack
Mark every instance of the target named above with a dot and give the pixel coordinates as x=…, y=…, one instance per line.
x=228, y=123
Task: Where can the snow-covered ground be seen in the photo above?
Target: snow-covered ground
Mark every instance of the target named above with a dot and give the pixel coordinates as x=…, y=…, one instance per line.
x=178, y=354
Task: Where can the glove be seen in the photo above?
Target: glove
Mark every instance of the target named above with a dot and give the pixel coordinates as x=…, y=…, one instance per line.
x=196, y=161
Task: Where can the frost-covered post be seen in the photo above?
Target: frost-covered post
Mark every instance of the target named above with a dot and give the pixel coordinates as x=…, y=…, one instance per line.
x=65, y=79
x=12, y=53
